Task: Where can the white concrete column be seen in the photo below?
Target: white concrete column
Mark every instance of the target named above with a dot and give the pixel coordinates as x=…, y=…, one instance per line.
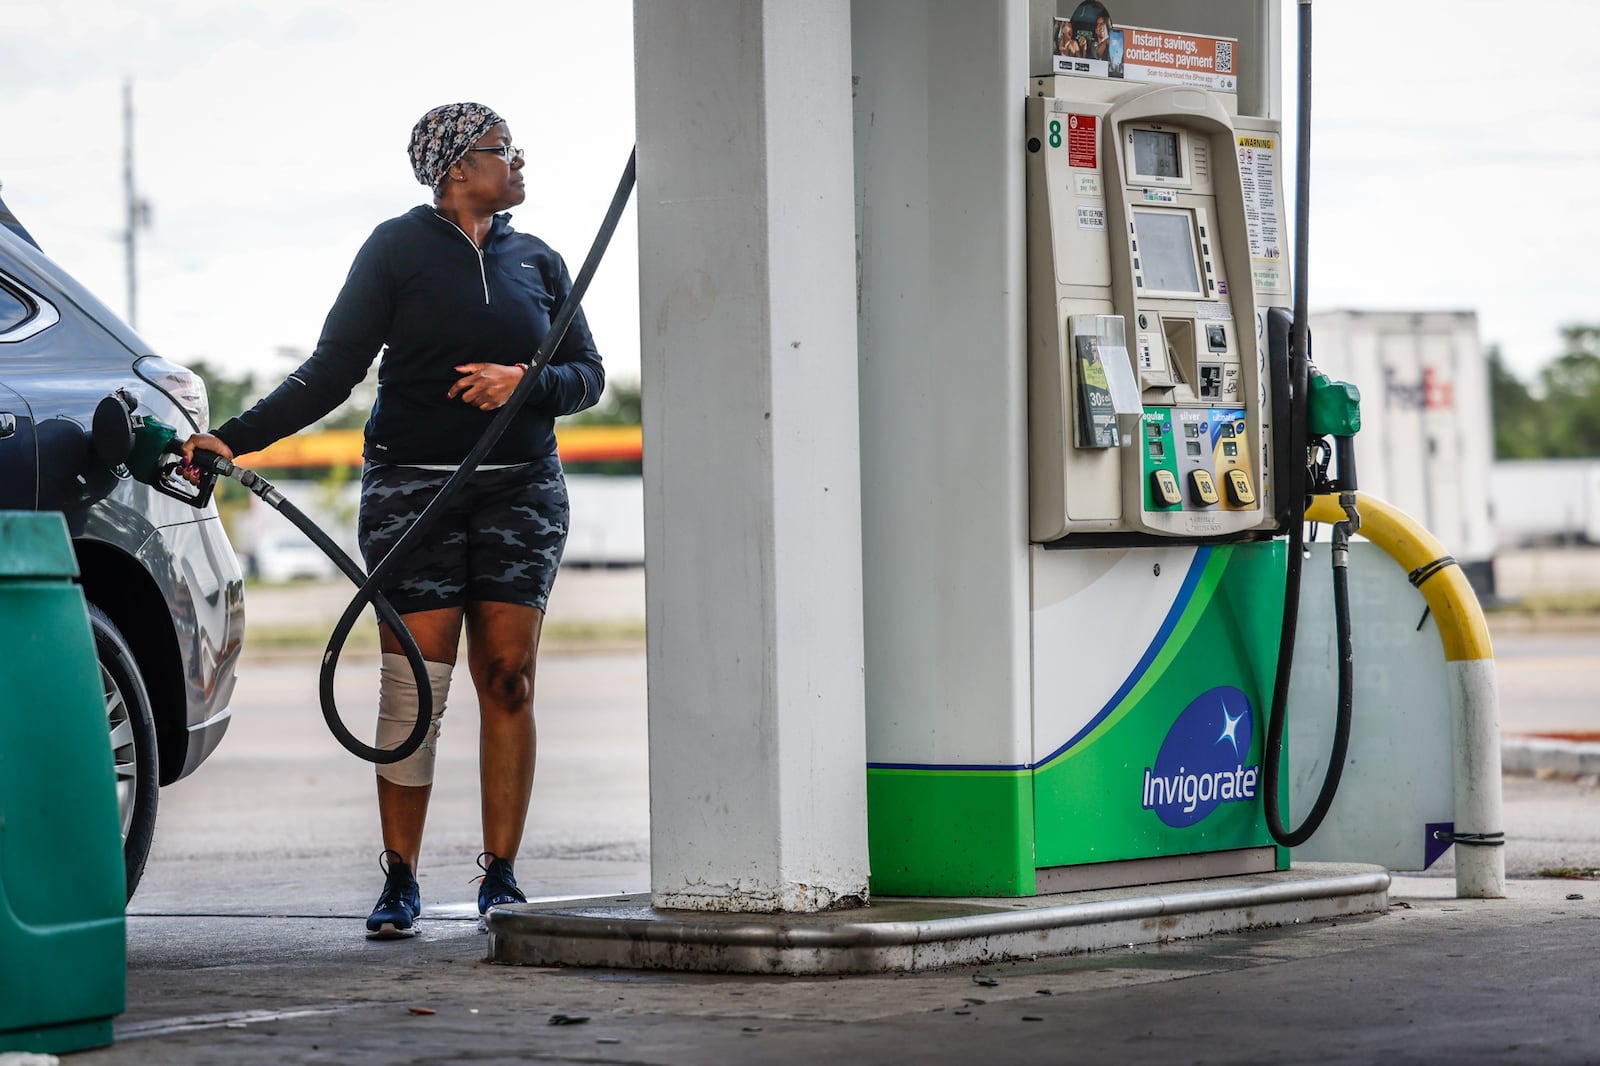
x=752, y=478
x=939, y=162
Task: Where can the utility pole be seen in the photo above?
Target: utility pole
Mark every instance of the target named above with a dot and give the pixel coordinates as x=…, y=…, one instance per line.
x=138, y=210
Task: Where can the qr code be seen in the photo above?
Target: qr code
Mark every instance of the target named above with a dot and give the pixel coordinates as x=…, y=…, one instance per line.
x=1224, y=57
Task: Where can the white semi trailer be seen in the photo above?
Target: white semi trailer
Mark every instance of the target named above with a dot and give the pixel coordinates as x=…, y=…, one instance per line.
x=1427, y=437
x=1546, y=501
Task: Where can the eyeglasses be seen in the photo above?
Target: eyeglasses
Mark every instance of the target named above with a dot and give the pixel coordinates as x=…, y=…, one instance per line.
x=507, y=153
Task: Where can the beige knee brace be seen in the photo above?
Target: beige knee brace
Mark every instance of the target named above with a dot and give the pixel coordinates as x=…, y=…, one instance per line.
x=397, y=716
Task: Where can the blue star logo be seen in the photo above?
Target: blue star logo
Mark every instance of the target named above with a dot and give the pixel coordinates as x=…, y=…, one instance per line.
x=1230, y=728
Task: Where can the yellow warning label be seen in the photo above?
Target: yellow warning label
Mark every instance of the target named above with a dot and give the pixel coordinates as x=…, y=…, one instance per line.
x=1256, y=142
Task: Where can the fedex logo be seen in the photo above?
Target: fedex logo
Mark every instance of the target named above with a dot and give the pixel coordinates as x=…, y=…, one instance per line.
x=1430, y=394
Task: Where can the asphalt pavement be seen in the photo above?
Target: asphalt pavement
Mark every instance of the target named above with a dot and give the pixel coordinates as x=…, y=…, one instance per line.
x=1435, y=980
x=246, y=945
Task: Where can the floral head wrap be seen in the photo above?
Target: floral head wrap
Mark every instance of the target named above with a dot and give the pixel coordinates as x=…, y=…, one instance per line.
x=442, y=136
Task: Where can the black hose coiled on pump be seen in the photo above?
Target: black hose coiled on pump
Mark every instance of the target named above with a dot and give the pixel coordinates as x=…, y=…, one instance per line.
x=1295, y=480
x=367, y=592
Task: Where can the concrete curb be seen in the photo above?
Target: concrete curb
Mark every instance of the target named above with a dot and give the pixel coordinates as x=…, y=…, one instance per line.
x=1539, y=757
x=899, y=935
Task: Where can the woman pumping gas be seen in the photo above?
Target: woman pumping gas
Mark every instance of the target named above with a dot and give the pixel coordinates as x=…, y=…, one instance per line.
x=458, y=302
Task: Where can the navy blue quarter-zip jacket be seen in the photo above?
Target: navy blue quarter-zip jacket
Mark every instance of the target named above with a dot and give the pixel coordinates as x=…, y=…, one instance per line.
x=425, y=295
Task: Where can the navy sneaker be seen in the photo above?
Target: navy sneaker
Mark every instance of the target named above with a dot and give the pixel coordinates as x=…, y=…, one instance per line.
x=497, y=885
x=401, y=902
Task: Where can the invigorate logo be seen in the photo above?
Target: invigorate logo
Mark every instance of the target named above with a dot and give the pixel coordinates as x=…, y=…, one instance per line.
x=1201, y=763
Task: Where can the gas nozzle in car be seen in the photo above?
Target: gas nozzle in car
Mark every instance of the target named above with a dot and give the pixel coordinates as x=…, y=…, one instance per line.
x=150, y=450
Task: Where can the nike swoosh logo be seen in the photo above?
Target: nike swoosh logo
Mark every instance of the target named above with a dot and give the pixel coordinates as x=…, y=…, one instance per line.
x=530, y=266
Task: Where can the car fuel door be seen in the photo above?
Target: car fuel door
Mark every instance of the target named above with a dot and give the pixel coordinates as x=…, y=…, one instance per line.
x=19, y=454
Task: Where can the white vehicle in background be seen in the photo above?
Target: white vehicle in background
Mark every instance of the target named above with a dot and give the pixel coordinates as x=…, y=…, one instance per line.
x=286, y=555
x=1546, y=501
x=604, y=485
x=276, y=552
x=1427, y=434
x=607, y=526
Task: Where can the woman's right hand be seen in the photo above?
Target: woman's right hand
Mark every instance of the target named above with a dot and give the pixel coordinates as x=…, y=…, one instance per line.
x=206, y=443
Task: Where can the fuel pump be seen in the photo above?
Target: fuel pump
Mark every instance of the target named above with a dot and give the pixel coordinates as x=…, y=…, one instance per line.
x=1176, y=431
x=1086, y=700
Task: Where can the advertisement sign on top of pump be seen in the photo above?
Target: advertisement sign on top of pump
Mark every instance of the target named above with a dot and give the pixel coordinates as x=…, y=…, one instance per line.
x=1091, y=43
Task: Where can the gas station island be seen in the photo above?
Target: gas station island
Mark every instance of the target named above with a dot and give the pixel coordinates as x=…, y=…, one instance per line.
x=1013, y=513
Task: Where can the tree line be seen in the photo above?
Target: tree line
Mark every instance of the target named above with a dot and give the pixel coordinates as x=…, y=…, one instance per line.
x=1557, y=414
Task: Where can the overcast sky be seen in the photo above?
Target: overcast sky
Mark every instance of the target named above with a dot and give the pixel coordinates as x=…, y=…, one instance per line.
x=270, y=140
x=1457, y=153
x=1455, y=163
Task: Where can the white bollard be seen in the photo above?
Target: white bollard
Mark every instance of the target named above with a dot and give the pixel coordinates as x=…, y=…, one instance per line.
x=1475, y=732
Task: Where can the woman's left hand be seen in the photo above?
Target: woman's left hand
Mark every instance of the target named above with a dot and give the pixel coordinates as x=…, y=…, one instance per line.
x=487, y=386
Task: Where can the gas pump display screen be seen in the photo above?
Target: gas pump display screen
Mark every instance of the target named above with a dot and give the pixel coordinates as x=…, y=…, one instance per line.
x=1155, y=154
x=1166, y=251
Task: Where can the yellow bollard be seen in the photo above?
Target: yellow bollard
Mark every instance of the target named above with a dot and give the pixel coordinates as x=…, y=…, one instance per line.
x=1474, y=700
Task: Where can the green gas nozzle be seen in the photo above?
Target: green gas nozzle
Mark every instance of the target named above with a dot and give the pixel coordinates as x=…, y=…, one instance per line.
x=151, y=436
x=157, y=460
x=1333, y=407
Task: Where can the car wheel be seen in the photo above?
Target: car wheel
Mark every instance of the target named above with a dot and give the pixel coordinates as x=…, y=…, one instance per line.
x=133, y=743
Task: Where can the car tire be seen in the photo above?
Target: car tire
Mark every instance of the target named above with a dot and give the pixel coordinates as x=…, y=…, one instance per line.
x=131, y=724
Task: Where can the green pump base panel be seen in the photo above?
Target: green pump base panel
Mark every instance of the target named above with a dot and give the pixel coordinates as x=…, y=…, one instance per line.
x=1139, y=760
x=63, y=948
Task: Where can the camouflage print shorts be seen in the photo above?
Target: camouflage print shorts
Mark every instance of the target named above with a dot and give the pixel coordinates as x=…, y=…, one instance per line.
x=500, y=538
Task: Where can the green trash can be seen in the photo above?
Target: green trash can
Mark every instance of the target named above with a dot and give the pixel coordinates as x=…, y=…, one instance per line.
x=63, y=943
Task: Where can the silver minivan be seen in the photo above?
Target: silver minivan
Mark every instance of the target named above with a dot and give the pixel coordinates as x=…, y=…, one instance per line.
x=165, y=593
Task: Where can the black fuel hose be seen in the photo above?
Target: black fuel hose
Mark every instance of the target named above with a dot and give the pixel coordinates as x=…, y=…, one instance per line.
x=369, y=583
x=1272, y=753
x=210, y=462
x=1295, y=481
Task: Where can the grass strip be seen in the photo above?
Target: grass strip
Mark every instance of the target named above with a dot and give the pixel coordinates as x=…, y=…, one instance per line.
x=314, y=636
